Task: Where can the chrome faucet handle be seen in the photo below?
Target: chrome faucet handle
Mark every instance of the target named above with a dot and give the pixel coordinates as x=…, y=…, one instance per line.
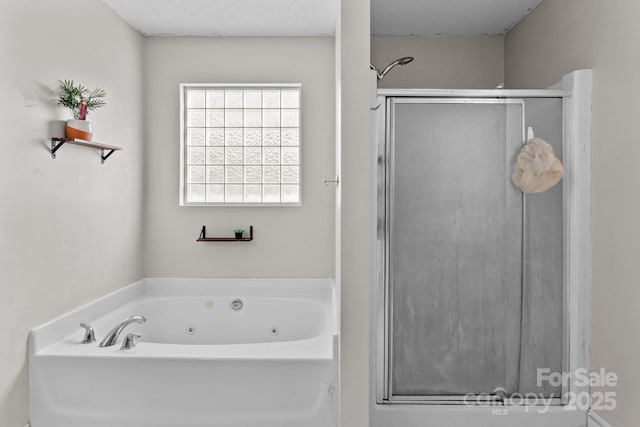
x=129, y=341
x=89, y=334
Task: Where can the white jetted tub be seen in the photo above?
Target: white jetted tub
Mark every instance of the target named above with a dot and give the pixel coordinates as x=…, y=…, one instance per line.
x=212, y=352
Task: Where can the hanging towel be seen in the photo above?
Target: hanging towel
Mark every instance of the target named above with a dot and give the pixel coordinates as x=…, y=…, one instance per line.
x=537, y=168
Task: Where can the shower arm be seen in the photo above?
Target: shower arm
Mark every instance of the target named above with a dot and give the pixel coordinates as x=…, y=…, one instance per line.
x=371, y=67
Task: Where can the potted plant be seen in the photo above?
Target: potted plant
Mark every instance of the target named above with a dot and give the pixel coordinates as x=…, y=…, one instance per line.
x=238, y=232
x=80, y=100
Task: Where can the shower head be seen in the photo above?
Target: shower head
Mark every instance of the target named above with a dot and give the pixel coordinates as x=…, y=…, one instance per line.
x=404, y=60
x=400, y=61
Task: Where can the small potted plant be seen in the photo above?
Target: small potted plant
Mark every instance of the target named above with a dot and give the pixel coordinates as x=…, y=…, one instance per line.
x=80, y=100
x=238, y=232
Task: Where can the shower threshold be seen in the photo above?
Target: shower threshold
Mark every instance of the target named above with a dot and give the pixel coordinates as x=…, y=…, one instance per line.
x=480, y=399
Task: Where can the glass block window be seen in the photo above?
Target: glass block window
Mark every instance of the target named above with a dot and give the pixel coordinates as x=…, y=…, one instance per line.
x=240, y=144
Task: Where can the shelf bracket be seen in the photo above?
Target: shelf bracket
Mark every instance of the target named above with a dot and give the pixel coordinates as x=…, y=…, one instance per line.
x=56, y=143
x=103, y=157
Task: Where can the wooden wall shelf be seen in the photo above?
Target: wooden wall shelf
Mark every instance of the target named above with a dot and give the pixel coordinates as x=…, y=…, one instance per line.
x=203, y=237
x=56, y=143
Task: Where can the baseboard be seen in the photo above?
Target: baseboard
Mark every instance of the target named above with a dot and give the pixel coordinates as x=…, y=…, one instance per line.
x=595, y=420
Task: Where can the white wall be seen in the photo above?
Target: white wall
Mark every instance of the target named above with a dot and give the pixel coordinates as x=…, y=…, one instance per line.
x=70, y=228
x=558, y=37
x=289, y=241
x=441, y=62
x=355, y=148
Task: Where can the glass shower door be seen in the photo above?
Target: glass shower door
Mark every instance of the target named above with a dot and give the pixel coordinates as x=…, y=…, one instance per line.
x=454, y=248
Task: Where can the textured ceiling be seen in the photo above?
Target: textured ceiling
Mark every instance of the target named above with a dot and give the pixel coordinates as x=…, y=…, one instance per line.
x=318, y=17
x=447, y=17
x=229, y=17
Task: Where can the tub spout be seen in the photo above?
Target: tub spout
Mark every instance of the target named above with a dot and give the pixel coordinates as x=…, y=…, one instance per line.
x=112, y=336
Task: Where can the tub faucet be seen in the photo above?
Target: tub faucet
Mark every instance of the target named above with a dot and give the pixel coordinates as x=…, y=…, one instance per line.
x=113, y=334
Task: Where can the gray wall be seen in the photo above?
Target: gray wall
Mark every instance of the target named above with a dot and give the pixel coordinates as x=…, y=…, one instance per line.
x=289, y=241
x=441, y=62
x=70, y=228
x=558, y=37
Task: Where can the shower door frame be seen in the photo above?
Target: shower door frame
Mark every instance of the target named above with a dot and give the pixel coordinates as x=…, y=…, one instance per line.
x=576, y=119
x=386, y=209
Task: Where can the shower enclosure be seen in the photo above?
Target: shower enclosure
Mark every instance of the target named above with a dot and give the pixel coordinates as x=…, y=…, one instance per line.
x=477, y=283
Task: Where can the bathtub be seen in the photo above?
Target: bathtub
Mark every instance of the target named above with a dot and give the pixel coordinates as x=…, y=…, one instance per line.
x=198, y=362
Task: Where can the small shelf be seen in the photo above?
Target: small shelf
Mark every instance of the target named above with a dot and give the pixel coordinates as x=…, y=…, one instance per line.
x=56, y=143
x=203, y=237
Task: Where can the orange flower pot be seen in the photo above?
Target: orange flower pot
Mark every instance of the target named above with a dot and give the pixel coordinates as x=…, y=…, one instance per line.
x=79, y=129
